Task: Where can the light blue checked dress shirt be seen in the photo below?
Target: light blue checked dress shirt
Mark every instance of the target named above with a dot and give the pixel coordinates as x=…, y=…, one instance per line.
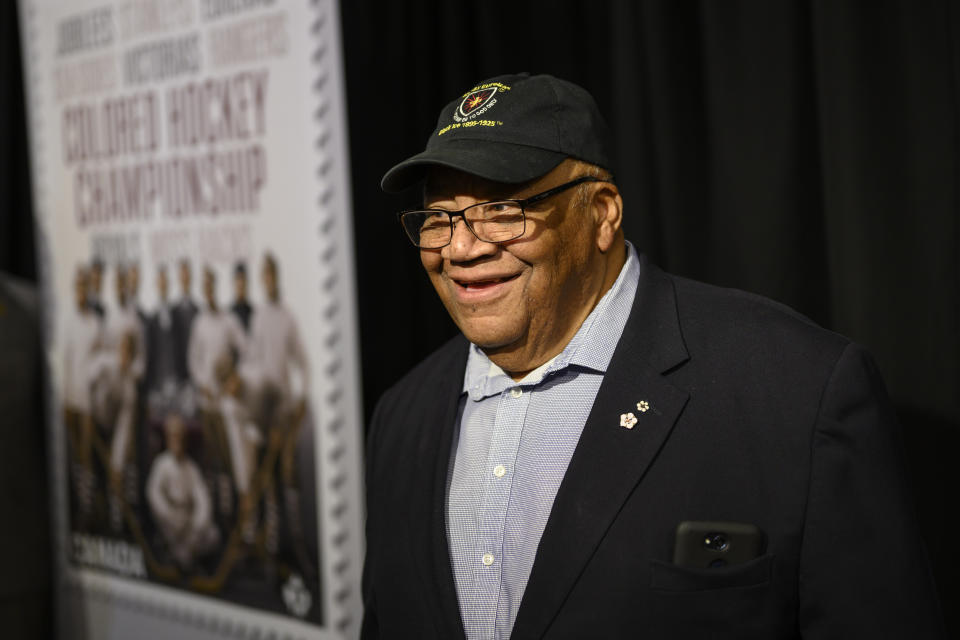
x=514, y=444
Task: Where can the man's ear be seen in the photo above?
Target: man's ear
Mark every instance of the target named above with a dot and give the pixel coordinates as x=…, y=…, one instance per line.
x=607, y=207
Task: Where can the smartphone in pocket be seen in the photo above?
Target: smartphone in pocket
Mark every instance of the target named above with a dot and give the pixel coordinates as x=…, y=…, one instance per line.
x=710, y=544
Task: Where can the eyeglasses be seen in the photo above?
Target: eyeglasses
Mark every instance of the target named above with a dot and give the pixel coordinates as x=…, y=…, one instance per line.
x=495, y=221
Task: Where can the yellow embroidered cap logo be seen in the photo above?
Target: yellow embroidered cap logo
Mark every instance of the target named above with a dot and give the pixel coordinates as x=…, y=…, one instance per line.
x=478, y=101
x=475, y=103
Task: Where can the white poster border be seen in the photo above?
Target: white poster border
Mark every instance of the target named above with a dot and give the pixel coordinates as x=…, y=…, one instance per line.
x=98, y=604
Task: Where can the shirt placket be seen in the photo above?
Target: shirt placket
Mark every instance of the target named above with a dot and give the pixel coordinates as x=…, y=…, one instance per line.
x=498, y=482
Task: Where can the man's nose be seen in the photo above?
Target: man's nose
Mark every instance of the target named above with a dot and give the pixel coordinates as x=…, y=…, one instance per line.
x=465, y=245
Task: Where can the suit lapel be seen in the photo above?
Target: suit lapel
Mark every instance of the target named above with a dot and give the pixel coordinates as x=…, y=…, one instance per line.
x=427, y=524
x=609, y=459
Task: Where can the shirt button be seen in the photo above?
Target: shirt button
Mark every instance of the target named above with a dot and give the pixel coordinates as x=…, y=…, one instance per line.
x=516, y=392
x=488, y=559
x=499, y=470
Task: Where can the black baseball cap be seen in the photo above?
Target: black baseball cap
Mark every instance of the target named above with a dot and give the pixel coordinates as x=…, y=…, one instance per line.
x=511, y=129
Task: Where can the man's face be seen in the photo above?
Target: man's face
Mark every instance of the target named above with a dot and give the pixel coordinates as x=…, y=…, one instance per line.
x=80, y=289
x=240, y=286
x=128, y=350
x=210, y=288
x=185, y=277
x=162, y=285
x=523, y=300
x=121, y=286
x=270, y=281
x=133, y=281
x=175, y=436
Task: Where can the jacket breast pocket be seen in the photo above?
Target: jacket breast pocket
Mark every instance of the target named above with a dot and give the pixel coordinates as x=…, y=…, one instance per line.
x=725, y=603
x=670, y=577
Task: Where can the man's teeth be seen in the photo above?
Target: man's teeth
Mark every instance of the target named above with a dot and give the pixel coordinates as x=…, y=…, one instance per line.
x=483, y=283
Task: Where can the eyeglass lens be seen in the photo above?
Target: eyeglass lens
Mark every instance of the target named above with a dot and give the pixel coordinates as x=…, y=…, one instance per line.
x=489, y=221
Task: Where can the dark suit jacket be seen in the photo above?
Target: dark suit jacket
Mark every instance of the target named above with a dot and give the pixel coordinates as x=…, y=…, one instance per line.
x=163, y=349
x=184, y=313
x=756, y=415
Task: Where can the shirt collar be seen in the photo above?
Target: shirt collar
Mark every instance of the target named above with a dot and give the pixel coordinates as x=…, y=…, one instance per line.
x=591, y=347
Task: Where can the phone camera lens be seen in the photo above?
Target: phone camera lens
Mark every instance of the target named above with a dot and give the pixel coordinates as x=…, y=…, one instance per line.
x=716, y=542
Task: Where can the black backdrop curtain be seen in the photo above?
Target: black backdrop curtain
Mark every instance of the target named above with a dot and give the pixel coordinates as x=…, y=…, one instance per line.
x=807, y=151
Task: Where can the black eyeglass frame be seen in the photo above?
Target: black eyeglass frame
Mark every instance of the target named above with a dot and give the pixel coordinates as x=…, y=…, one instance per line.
x=522, y=203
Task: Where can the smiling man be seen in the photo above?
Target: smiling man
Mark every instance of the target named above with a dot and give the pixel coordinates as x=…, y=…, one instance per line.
x=521, y=300
x=608, y=450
